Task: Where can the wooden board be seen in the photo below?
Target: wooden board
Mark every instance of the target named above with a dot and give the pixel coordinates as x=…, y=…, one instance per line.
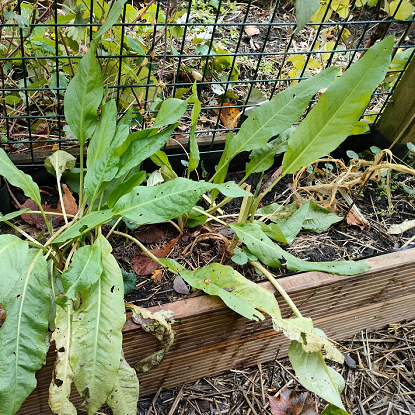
x=397, y=121
x=39, y=156
x=211, y=339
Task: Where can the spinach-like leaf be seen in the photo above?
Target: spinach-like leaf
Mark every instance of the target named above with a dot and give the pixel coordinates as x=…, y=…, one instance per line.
x=272, y=118
x=269, y=253
x=83, y=96
x=17, y=178
x=332, y=119
x=96, y=333
x=24, y=295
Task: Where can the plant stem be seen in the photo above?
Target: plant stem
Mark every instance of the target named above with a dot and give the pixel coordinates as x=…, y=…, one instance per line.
x=62, y=204
x=278, y=287
x=26, y=235
x=81, y=179
x=262, y=195
x=210, y=216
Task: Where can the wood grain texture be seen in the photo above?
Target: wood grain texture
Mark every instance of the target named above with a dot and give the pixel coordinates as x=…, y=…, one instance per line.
x=398, y=118
x=211, y=339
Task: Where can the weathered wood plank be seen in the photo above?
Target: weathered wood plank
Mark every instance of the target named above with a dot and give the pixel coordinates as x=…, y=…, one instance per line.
x=211, y=339
x=397, y=121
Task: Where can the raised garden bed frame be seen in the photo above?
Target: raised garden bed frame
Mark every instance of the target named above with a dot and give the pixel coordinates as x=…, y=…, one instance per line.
x=212, y=339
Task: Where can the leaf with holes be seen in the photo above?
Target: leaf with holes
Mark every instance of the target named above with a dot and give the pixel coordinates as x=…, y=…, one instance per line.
x=24, y=295
x=97, y=333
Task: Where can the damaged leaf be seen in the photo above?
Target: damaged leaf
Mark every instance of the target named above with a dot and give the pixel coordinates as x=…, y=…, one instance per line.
x=158, y=324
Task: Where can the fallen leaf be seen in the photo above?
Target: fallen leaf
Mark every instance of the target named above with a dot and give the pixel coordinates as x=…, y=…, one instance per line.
x=352, y=219
x=401, y=227
x=180, y=286
x=251, y=30
x=143, y=265
x=350, y=361
x=71, y=208
x=228, y=116
x=33, y=218
x=150, y=235
x=289, y=402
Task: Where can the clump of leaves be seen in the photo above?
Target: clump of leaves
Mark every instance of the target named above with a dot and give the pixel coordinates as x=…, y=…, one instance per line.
x=73, y=284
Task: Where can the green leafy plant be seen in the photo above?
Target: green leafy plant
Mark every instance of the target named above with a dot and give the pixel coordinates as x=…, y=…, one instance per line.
x=72, y=285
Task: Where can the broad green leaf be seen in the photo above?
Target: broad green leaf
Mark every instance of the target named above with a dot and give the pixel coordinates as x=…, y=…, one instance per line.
x=137, y=135
x=360, y=128
x=278, y=210
x=124, y=395
x=401, y=10
x=273, y=117
x=273, y=231
x=25, y=299
x=154, y=204
x=262, y=159
x=171, y=110
x=339, y=108
x=59, y=162
x=319, y=219
x=269, y=253
x=158, y=324
x=13, y=215
x=60, y=387
x=86, y=268
x=126, y=187
x=17, y=178
x=84, y=225
x=101, y=172
x=142, y=148
x=104, y=133
x=122, y=132
x=83, y=96
x=96, y=346
x=310, y=216
x=159, y=158
x=334, y=410
x=304, y=10
x=237, y=292
x=13, y=254
x=313, y=373
x=112, y=17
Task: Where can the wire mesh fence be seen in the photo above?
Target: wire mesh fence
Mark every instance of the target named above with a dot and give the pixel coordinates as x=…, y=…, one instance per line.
x=239, y=54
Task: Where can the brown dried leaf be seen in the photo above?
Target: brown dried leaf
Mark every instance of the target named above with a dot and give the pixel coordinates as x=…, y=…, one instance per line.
x=143, y=265
x=251, y=30
x=352, y=219
x=290, y=402
x=71, y=208
x=150, y=235
x=33, y=218
x=228, y=116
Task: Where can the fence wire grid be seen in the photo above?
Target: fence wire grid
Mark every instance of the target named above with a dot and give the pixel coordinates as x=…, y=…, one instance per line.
x=240, y=55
